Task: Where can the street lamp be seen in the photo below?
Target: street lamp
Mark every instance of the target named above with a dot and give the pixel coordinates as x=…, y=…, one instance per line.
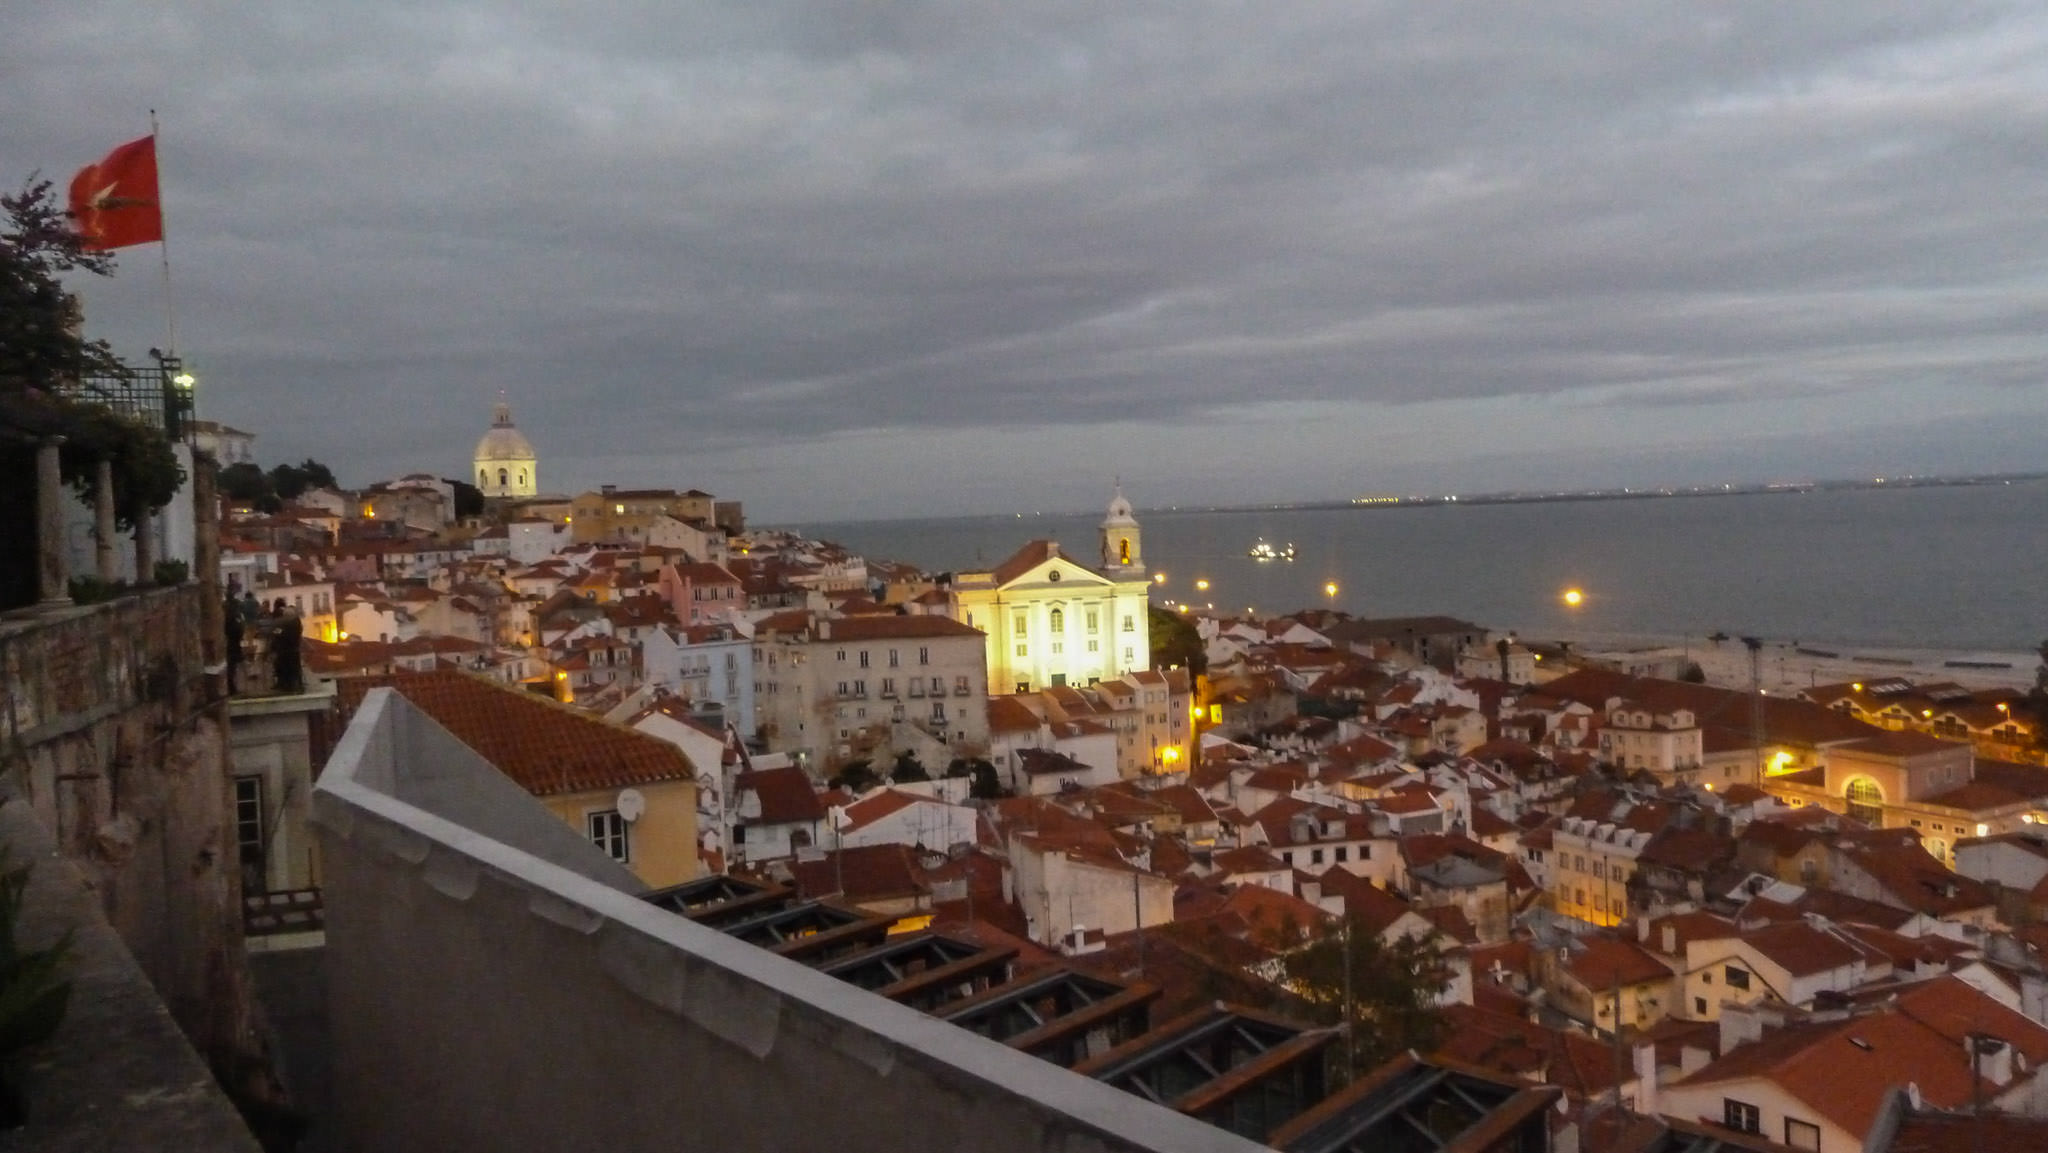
x=1573, y=598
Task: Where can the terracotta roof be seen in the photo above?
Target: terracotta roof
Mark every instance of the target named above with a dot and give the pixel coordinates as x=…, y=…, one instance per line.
x=786, y=794
x=1901, y=743
x=1033, y=554
x=549, y=748
x=866, y=628
x=1580, y=1065
x=863, y=873
x=1009, y=715
x=1602, y=961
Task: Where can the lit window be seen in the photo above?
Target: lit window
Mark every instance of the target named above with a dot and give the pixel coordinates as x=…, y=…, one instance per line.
x=1058, y=620
x=249, y=822
x=1093, y=620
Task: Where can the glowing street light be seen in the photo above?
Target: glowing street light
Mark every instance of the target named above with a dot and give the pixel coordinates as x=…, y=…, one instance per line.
x=1573, y=598
x=1159, y=578
x=1330, y=589
x=1202, y=585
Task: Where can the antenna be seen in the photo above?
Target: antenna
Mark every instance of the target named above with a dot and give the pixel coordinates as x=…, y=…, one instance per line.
x=631, y=804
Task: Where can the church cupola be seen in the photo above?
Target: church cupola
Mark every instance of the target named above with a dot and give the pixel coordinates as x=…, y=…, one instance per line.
x=1121, y=553
x=505, y=462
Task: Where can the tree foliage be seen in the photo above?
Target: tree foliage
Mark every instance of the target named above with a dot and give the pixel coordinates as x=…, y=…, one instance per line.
x=469, y=499
x=1175, y=644
x=1392, y=991
x=40, y=342
x=269, y=491
x=856, y=776
x=908, y=768
x=146, y=469
x=290, y=481
x=43, y=350
x=984, y=784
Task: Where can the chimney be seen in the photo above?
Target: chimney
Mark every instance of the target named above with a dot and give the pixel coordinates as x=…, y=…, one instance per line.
x=1646, y=1079
x=1670, y=940
x=1994, y=1058
x=1739, y=1026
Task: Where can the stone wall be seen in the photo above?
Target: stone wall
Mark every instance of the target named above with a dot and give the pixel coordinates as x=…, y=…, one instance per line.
x=115, y=736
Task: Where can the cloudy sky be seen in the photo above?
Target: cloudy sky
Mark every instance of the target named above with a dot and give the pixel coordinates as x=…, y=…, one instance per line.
x=870, y=258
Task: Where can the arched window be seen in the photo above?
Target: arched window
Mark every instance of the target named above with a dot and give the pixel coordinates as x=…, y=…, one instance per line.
x=482, y=478
x=501, y=478
x=1059, y=621
x=1866, y=801
x=1124, y=551
x=522, y=476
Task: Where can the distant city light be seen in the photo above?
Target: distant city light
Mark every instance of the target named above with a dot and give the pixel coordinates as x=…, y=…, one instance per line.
x=1330, y=590
x=1574, y=597
x=1159, y=578
x=1202, y=585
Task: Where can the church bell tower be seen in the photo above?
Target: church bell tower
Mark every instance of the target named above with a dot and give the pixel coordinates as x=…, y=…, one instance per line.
x=1122, y=556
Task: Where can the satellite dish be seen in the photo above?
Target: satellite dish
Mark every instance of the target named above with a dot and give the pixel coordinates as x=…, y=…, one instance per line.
x=631, y=804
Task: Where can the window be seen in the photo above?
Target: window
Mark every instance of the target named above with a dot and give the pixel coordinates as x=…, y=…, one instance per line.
x=1128, y=626
x=1866, y=801
x=1736, y=979
x=1699, y=1006
x=939, y=712
x=249, y=829
x=1094, y=646
x=842, y=688
x=892, y=658
x=860, y=688
x=960, y=685
x=608, y=832
x=1741, y=1116
x=1802, y=1135
x=1343, y=853
x=888, y=686
x=1023, y=650
x=1094, y=620
x=938, y=685
x=863, y=658
x=1017, y=623
x=1058, y=648
x=924, y=656
x=1599, y=871
x=1058, y=620
x=1315, y=856
x=841, y=657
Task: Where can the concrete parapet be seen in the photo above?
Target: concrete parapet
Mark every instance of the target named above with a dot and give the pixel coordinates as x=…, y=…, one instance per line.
x=494, y=985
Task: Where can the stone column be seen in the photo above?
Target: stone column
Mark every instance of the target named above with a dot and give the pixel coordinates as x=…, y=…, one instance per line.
x=145, y=549
x=105, y=560
x=52, y=577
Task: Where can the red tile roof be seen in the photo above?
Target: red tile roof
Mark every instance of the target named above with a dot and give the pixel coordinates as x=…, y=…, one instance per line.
x=551, y=749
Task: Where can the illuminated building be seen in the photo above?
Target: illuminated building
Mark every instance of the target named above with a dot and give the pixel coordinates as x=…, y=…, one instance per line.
x=1054, y=622
x=505, y=462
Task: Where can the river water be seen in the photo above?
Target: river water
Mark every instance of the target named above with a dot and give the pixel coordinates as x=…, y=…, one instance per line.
x=1956, y=568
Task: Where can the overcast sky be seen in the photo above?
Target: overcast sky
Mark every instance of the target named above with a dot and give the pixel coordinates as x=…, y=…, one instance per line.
x=908, y=257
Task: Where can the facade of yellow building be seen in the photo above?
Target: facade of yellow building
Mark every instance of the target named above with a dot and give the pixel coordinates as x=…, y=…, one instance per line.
x=1053, y=621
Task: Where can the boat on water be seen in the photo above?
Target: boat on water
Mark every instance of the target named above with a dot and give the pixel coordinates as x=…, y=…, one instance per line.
x=1267, y=550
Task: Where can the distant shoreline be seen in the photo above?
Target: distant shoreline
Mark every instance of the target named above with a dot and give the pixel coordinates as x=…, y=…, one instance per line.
x=1791, y=666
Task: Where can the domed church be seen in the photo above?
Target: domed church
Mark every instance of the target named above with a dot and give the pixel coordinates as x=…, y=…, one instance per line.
x=505, y=462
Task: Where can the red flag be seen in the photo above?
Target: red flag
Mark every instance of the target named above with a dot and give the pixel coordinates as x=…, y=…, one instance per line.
x=114, y=203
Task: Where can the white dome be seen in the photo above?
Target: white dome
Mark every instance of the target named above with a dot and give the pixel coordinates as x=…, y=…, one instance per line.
x=503, y=442
x=1119, y=510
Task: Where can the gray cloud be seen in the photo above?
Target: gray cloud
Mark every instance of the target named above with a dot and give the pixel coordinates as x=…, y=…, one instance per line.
x=741, y=238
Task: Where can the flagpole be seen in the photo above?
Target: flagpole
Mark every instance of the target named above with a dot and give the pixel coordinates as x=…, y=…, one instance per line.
x=163, y=242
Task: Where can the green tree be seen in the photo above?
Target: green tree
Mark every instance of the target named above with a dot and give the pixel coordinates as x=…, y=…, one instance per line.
x=856, y=776
x=41, y=346
x=1391, y=991
x=1175, y=644
x=985, y=784
x=290, y=481
x=908, y=768
x=469, y=499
